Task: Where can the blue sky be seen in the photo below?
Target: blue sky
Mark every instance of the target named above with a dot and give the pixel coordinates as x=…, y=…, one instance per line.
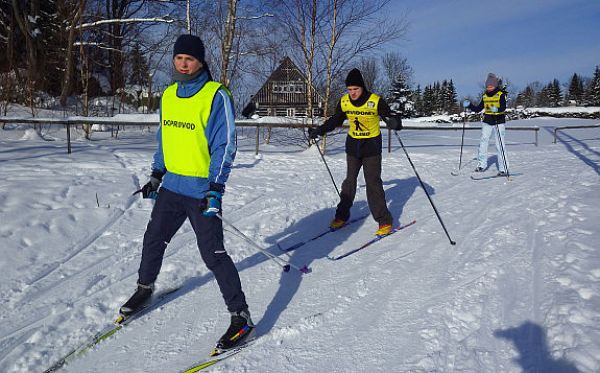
x=521, y=40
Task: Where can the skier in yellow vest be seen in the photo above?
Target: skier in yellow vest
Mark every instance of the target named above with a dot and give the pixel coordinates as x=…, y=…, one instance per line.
x=494, y=104
x=363, y=110
x=196, y=149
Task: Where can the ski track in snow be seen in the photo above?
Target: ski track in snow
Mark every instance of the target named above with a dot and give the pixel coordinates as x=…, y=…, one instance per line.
x=520, y=288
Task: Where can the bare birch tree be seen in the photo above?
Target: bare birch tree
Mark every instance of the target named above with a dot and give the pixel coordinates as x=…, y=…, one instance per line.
x=227, y=43
x=303, y=31
x=330, y=34
x=340, y=31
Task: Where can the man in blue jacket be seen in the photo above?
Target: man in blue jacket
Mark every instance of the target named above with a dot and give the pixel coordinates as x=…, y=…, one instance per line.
x=196, y=149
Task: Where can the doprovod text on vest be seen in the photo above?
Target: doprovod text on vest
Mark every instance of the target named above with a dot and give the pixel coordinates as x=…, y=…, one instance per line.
x=177, y=124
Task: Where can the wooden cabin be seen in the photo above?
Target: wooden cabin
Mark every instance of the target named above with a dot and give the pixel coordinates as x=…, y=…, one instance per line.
x=284, y=94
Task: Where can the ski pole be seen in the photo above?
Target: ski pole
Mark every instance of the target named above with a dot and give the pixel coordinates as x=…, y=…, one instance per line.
x=424, y=189
x=327, y=166
x=281, y=262
x=502, y=149
x=462, y=138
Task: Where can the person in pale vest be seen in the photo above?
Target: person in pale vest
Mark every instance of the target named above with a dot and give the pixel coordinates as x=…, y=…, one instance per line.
x=363, y=110
x=196, y=148
x=494, y=104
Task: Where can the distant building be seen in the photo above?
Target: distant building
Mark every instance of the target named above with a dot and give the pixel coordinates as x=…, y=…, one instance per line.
x=284, y=94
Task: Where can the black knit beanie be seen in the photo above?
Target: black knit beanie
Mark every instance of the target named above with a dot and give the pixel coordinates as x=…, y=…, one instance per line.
x=355, y=78
x=189, y=44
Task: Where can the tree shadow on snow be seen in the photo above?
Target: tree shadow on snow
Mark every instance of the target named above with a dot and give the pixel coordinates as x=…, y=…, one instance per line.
x=530, y=340
x=247, y=165
x=289, y=283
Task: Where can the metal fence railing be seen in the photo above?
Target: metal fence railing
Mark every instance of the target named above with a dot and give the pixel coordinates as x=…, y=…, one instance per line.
x=74, y=121
x=556, y=129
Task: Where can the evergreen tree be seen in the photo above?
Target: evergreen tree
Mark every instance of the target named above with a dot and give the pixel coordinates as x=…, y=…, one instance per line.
x=527, y=97
x=575, y=89
x=442, y=97
x=400, y=97
x=417, y=98
x=594, y=89
x=554, y=95
x=543, y=97
x=451, y=98
x=437, y=97
x=428, y=100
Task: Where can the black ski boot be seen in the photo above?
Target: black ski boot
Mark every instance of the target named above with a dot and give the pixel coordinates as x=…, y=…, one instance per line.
x=239, y=332
x=138, y=300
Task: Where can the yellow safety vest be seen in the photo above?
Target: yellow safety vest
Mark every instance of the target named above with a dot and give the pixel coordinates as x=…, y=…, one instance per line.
x=363, y=120
x=494, y=100
x=184, y=144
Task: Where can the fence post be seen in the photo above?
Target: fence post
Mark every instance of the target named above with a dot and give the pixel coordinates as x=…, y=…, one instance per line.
x=536, y=136
x=68, y=138
x=389, y=140
x=257, y=137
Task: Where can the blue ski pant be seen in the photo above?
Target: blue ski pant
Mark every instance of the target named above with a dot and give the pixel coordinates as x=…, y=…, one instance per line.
x=486, y=132
x=168, y=215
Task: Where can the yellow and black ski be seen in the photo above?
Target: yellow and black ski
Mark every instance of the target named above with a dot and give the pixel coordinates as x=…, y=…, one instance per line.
x=111, y=329
x=216, y=357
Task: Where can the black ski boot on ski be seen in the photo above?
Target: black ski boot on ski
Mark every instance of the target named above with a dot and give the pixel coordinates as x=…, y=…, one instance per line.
x=138, y=300
x=240, y=331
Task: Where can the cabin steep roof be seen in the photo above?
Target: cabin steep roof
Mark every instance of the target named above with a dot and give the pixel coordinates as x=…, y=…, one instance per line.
x=287, y=71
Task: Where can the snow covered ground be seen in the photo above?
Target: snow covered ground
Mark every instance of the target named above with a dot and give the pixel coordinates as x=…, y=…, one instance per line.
x=519, y=292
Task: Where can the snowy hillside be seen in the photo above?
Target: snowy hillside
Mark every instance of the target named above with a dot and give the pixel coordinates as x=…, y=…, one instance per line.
x=519, y=292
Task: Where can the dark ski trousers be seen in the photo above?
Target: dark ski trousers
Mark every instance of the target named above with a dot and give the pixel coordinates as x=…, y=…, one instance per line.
x=168, y=215
x=375, y=193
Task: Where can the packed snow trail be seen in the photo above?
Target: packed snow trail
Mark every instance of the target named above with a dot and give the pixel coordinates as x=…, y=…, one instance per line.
x=520, y=288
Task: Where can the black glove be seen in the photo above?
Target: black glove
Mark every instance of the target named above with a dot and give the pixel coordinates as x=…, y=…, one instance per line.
x=394, y=123
x=151, y=188
x=313, y=133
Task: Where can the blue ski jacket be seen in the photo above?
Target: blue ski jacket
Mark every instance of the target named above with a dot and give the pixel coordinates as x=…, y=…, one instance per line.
x=221, y=138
